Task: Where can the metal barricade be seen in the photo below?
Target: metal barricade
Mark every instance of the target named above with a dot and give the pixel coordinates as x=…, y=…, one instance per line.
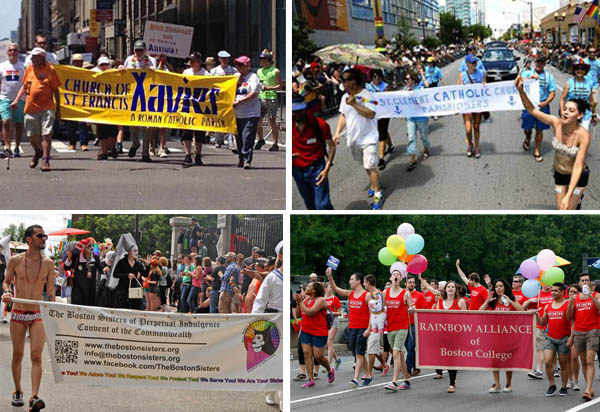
x=333, y=97
x=262, y=231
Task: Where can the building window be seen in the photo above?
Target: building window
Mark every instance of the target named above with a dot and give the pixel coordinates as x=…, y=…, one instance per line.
x=362, y=9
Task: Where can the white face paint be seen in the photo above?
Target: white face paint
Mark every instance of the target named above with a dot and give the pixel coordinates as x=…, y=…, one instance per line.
x=134, y=252
x=258, y=342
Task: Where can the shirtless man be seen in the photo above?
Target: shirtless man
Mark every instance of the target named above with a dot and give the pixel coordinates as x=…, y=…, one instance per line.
x=30, y=272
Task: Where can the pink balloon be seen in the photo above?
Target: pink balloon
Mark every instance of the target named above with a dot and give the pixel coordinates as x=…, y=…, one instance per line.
x=405, y=230
x=529, y=269
x=546, y=259
x=417, y=265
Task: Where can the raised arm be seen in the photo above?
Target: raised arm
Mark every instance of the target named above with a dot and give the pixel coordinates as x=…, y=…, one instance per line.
x=577, y=168
x=531, y=109
x=318, y=306
x=342, y=292
x=461, y=273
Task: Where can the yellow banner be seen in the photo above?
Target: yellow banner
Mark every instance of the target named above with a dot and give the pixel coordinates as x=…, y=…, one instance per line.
x=154, y=98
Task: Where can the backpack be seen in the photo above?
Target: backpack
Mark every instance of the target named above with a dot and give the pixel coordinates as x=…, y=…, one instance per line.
x=330, y=319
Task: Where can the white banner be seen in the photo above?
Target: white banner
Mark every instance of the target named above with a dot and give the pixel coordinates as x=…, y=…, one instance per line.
x=106, y=346
x=438, y=101
x=172, y=40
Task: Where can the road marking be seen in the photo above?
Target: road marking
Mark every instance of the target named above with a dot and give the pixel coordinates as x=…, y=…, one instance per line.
x=357, y=389
x=583, y=405
x=60, y=147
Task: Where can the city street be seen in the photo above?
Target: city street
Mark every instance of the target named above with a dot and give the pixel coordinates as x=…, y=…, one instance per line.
x=505, y=177
x=126, y=398
x=428, y=395
x=79, y=181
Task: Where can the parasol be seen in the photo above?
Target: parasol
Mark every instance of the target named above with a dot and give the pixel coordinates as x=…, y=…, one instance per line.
x=350, y=54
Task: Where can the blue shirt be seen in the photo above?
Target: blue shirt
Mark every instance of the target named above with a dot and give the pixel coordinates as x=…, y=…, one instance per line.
x=547, y=82
x=480, y=66
x=526, y=73
x=373, y=88
x=594, y=70
x=580, y=90
x=477, y=77
x=433, y=74
x=231, y=273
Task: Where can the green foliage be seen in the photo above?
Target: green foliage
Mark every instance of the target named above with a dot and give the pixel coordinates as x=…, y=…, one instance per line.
x=302, y=45
x=403, y=34
x=17, y=233
x=480, y=31
x=431, y=43
x=451, y=29
x=494, y=244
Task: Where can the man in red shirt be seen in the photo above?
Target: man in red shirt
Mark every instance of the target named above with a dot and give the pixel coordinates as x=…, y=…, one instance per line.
x=418, y=302
x=429, y=296
x=583, y=311
x=559, y=332
x=310, y=161
x=543, y=299
x=479, y=293
x=517, y=283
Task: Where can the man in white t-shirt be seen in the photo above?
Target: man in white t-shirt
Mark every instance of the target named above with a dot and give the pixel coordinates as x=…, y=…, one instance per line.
x=139, y=60
x=11, y=80
x=221, y=70
x=357, y=116
x=42, y=41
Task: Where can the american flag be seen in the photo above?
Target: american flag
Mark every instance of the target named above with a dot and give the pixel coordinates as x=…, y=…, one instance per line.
x=578, y=15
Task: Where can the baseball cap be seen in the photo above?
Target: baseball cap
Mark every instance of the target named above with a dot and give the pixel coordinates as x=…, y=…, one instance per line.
x=314, y=65
x=103, y=60
x=266, y=54
x=223, y=54
x=430, y=59
x=471, y=58
x=195, y=56
x=38, y=51
x=242, y=60
x=139, y=45
x=298, y=102
x=76, y=56
x=279, y=248
x=210, y=60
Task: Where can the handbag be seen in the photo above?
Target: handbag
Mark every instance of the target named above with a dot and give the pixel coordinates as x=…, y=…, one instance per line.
x=135, y=293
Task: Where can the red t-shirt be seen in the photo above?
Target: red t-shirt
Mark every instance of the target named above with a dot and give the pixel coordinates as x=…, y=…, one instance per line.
x=309, y=146
x=519, y=296
x=358, y=311
x=333, y=303
x=545, y=300
x=316, y=324
x=558, y=324
x=418, y=301
x=586, y=315
x=440, y=305
x=397, y=312
x=478, y=296
x=429, y=300
x=501, y=307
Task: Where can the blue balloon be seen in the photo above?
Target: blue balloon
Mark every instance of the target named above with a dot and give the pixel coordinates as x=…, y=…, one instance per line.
x=414, y=244
x=531, y=288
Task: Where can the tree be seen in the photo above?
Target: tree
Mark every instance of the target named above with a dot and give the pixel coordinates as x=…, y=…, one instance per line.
x=451, y=29
x=480, y=31
x=17, y=233
x=302, y=45
x=403, y=34
x=431, y=43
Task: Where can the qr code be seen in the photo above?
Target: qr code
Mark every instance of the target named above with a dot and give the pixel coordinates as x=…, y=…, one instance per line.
x=66, y=351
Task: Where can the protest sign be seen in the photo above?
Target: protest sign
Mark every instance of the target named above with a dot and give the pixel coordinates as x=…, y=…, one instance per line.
x=106, y=346
x=153, y=98
x=439, y=101
x=172, y=40
x=475, y=340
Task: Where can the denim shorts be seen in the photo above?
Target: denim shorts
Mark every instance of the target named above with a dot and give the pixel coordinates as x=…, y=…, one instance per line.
x=557, y=345
x=356, y=341
x=315, y=341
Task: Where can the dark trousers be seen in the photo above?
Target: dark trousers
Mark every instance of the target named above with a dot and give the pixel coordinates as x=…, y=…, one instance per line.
x=452, y=375
x=84, y=291
x=77, y=129
x=315, y=197
x=410, y=349
x=245, y=137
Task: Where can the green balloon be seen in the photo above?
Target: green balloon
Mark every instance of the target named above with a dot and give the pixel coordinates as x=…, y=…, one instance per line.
x=553, y=275
x=386, y=257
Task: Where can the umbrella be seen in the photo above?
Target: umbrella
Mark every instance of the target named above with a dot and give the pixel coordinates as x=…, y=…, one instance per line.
x=69, y=232
x=349, y=53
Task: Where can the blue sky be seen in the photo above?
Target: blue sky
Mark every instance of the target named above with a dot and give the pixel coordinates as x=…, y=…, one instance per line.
x=9, y=18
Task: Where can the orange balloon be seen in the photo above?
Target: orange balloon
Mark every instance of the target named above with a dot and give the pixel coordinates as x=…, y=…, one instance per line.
x=402, y=257
x=409, y=258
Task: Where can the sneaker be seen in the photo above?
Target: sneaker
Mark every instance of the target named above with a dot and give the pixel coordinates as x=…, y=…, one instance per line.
x=274, y=148
x=570, y=385
x=494, y=389
x=366, y=381
x=240, y=163
x=167, y=151
x=535, y=375
x=198, y=160
x=17, y=399
x=316, y=376
x=257, y=146
x=576, y=386
x=246, y=165
x=392, y=386
x=36, y=404
x=386, y=370
x=381, y=164
x=119, y=147
x=338, y=362
x=370, y=192
x=132, y=151
x=270, y=398
x=17, y=152
x=551, y=390
x=308, y=384
x=4, y=154
x=377, y=201
x=187, y=162
x=331, y=376
x=508, y=389
x=563, y=392
x=218, y=145
x=354, y=383
x=299, y=377
x=404, y=385
x=556, y=373
x=164, y=154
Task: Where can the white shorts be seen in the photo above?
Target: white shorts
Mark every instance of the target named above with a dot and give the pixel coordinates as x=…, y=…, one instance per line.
x=373, y=344
x=367, y=155
x=39, y=123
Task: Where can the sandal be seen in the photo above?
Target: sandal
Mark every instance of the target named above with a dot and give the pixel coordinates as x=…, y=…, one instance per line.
x=526, y=145
x=538, y=158
x=411, y=166
x=477, y=154
x=451, y=389
x=469, y=149
x=438, y=376
x=586, y=396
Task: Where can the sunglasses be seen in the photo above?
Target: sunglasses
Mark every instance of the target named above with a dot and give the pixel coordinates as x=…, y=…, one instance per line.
x=41, y=42
x=516, y=281
x=41, y=236
x=346, y=79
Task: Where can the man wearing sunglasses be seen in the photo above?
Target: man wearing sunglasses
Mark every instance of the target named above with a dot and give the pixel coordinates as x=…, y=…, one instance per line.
x=86, y=267
x=42, y=41
x=30, y=272
x=11, y=80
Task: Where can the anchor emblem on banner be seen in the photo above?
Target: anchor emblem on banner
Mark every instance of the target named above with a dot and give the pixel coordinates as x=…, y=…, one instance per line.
x=398, y=111
x=511, y=100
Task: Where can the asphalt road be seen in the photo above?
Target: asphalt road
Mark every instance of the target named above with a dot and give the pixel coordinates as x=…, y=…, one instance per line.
x=79, y=181
x=134, y=398
x=428, y=395
x=505, y=177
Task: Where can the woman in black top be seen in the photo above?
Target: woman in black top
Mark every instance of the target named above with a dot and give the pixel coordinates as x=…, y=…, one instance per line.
x=127, y=269
x=215, y=283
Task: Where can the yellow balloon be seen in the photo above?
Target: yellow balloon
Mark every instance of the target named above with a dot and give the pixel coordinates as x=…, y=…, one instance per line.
x=395, y=244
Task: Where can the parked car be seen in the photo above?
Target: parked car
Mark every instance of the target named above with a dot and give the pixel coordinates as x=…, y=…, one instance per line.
x=500, y=64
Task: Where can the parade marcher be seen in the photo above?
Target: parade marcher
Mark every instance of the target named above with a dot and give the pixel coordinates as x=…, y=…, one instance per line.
x=222, y=69
x=543, y=299
x=210, y=63
x=247, y=110
x=11, y=80
x=583, y=311
x=41, y=41
x=479, y=293
x=77, y=129
x=471, y=49
x=334, y=306
x=432, y=76
x=270, y=82
x=107, y=133
x=42, y=106
x=377, y=85
x=571, y=144
x=573, y=290
x=414, y=124
x=501, y=299
x=139, y=60
x=358, y=320
x=547, y=86
x=559, y=331
x=418, y=302
x=517, y=283
x=198, y=136
x=128, y=271
x=398, y=304
x=30, y=272
x=86, y=269
x=580, y=87
x=313, y=152
x=472, y=75
x=376, y=329
x=357, y=116
x=592, y=75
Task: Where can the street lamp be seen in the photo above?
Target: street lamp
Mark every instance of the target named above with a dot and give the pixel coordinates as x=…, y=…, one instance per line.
x=530, y=18
x=559, y=18
x=423, y=23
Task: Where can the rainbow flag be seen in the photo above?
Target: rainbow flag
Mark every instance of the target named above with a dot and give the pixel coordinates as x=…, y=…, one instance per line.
x=593, y=10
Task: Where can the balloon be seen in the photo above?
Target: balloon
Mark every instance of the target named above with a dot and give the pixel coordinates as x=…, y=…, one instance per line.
x=408, y=258
x=405, y=230
x=395, y=244
x=546, y=259
x=417, y=265
x=386, y=257
x=414, y=244
x=531, y=288
x=553, y=275
x=529, y=269
x=402, y=257
x=400, y=267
